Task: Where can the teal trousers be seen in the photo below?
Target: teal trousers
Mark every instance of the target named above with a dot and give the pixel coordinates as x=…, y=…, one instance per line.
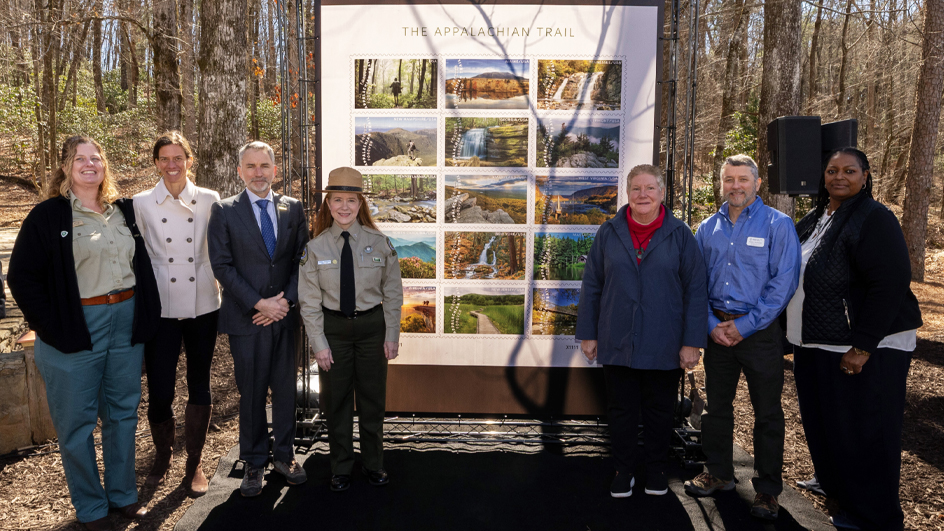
x=105, y=383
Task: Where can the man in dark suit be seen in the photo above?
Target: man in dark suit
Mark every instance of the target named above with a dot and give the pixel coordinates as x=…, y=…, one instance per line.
x=256, y=239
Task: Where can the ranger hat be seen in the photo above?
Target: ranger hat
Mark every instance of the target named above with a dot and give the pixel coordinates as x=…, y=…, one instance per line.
x=345, y=179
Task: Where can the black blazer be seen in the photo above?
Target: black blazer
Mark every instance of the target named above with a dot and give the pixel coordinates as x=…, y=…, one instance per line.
x=44, y=284
x=241, y=262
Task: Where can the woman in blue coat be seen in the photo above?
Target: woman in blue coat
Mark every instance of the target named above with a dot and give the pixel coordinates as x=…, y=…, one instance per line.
x=643, y=315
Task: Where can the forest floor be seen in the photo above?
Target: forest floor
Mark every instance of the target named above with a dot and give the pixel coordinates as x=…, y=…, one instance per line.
x=34, y=495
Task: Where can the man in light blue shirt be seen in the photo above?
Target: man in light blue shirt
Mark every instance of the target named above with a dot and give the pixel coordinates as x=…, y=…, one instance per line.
x=752, y=254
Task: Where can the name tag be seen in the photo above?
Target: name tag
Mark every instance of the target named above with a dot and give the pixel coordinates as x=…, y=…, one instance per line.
x=282, y=207
x=377, y=259
x=325, y=262
x=755, y=242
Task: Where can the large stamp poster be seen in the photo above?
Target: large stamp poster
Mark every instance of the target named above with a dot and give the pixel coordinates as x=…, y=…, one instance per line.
x=496, y=140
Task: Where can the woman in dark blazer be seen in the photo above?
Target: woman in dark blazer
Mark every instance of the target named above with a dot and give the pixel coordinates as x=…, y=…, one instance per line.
x=643, y=315
x=854, y=324
x=81, y=274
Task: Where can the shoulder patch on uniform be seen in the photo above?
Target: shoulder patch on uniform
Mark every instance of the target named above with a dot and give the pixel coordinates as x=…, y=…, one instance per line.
x=304, y=256
x=392, y=249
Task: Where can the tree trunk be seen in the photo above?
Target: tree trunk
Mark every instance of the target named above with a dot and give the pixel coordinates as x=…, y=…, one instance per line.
x=50, y=48
x=871, y=115
x=166, y=74
x=270, y=68
x=71, y=79
x=419, y=94
x=732, y=80
x=841, y=105
x=512, y=254
x=924, y=137
x=40, y=35
x=814, y=52
x=252, y=23
x=189, y=117
x=97, y=61
x=780, y=84
x=222, y=102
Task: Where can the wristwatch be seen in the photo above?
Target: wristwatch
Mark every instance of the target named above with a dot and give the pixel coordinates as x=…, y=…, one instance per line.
x=861, y=352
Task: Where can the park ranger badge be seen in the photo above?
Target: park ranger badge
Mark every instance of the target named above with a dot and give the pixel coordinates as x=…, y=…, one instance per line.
x=368, y=249
x=304, y=256
x=392, y=250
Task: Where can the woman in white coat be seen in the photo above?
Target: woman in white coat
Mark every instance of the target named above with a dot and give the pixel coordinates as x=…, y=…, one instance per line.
x=173, y=217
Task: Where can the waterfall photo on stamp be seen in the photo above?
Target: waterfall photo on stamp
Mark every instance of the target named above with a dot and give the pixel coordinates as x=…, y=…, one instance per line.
x=485, y=255
x=490, y=142
x=594, y=85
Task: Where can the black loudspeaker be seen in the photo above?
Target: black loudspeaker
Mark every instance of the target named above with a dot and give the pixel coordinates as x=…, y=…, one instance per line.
x=837, y=135
x=795, y=147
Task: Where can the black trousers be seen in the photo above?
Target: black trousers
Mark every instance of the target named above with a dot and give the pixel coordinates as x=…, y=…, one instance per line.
x=161, y=355
x=760, y=356
x=265, y=361
x=654, y=393
x=853, y=427
x=358, y=375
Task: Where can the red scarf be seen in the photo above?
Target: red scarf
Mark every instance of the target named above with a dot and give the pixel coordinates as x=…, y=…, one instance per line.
x=643, y=233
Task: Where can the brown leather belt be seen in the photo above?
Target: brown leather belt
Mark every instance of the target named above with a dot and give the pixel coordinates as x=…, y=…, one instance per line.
x=355, y=315
x=111, y=298
x=724, y=316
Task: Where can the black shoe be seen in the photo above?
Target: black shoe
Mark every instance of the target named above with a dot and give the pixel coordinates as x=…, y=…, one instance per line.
x=622, y=485
x=377, y=478
x=657, y=484
x=339, y=483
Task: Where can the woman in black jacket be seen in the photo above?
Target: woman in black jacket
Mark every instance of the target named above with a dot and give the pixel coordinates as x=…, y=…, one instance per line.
x=854, y=323
x=81, y=275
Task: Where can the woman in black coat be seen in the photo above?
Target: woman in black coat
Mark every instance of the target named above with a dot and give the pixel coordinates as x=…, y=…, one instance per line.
x=81, y=274
x=854, y=323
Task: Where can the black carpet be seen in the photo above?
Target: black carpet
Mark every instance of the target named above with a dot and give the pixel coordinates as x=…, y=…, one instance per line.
x=463, y=487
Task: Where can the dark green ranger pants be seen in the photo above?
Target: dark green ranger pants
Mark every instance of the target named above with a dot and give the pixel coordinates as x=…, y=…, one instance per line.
x=359, y=374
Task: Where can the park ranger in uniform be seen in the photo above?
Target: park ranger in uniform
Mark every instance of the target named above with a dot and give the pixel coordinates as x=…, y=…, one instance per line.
x=350, y=295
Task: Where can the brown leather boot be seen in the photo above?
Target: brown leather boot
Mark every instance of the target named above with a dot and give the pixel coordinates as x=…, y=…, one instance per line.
x=162, y=434
x=198, y=421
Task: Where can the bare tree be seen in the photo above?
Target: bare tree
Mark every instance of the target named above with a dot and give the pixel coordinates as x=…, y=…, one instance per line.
x=780, y=83
x=186, y=69
x=924, y=136
x=729, y=91
x=166, y=74
x=97, y=60
x=222, y=102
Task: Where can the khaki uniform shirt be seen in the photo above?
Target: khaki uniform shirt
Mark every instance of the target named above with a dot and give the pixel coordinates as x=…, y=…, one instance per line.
x=376, y=279
x=103, y=249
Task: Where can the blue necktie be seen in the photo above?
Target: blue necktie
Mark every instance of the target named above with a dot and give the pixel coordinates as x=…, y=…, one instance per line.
x=268, y=232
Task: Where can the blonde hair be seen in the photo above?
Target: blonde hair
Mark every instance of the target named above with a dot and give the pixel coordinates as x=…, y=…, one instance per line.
x=61, y=181
x=174, y=138
x=324, y=220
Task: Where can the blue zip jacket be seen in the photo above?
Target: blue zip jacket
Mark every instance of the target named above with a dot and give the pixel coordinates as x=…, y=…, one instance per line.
x=642, y=314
